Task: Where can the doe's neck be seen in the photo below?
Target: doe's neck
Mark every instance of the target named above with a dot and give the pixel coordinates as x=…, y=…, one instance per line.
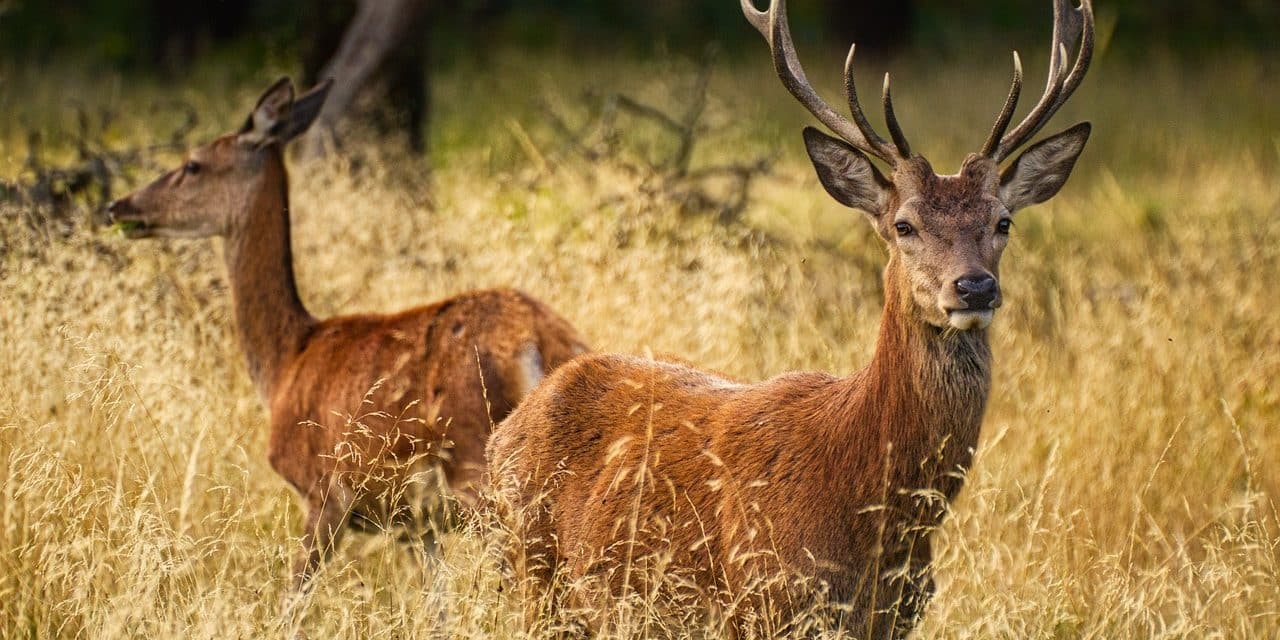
x=271, y=321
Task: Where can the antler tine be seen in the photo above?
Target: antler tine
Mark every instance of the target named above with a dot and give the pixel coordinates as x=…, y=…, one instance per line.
x=787, y=64
x=1039, y=114
x=1068, y=24
x=855, y=106
x=1086, y=50
x=1006, y=113
x=758, y=19
x=891, y=120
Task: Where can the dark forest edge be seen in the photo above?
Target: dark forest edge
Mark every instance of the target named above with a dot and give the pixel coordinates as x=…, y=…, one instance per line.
x=165, y=36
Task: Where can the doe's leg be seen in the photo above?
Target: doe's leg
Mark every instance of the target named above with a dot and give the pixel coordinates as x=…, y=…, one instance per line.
x=326, y=520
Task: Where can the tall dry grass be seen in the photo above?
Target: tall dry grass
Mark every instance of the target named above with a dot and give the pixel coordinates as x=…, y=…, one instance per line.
x=1126, y=479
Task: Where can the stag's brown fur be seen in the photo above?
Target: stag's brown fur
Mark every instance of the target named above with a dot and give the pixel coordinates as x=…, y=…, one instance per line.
x=751, y=479
x=363, y=408
x=617, y=470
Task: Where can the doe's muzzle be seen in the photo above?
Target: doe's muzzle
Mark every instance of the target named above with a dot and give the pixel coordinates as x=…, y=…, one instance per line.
x=121, y=207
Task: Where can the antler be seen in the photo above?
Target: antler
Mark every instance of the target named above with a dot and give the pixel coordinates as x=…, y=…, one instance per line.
x=1068, y=25
x=772, y=24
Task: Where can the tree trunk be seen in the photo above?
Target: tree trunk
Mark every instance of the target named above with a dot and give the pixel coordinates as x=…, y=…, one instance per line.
x=379, y=29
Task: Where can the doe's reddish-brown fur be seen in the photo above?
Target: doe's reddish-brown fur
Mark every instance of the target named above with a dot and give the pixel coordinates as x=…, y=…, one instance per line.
x=372, y=415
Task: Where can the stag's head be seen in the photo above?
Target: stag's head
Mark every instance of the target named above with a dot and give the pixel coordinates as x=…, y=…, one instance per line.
x=945, y=233
x=210, y=193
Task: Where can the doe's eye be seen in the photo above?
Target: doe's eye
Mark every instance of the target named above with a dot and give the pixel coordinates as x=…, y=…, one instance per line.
x=1004, y=226
x=191, y=167
x=904, y=228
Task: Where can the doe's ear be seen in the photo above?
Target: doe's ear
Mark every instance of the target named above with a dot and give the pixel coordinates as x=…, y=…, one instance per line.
x=1039, y=173
x=846, y=173
x=269, y=115
x=304, y=111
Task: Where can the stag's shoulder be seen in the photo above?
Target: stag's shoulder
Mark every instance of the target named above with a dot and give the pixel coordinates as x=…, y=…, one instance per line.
x=794, y=385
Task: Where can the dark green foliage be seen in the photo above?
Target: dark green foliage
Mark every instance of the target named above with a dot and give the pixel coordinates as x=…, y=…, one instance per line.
x=166, y=35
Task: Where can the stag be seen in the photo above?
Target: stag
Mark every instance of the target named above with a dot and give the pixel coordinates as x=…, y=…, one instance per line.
x=745, y=495
x=376, y=420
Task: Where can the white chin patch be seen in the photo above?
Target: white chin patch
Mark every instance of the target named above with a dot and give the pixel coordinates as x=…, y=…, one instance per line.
x=966, y=320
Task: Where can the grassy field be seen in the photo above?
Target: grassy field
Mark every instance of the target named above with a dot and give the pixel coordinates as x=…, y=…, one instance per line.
x=1126, y=481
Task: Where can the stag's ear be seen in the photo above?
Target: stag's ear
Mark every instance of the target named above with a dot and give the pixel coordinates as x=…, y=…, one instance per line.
x=846, y=173
x=304, y=111
x=1041, y=170
x=270, y=115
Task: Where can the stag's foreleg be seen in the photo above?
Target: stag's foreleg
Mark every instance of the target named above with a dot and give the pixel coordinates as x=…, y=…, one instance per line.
x=905, y=589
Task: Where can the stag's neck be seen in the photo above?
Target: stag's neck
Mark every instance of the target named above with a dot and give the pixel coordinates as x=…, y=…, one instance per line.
x=271, y=321
x=921, y=399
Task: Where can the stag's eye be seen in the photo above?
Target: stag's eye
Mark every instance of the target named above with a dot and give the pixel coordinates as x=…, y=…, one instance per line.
x=191, y=167
x=904, y=229
x=1004, y=226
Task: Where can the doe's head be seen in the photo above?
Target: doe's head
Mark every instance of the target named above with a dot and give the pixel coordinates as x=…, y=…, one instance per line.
x=945, y=233
x=210, y=193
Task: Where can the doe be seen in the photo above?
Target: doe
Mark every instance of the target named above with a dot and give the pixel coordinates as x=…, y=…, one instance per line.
x=424, y=385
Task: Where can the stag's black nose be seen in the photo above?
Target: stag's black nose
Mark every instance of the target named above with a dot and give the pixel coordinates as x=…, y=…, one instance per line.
x=979, y=291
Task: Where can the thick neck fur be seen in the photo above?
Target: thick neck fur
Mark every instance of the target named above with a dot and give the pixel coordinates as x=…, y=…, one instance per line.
x=920, y=403
x=271, y=321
